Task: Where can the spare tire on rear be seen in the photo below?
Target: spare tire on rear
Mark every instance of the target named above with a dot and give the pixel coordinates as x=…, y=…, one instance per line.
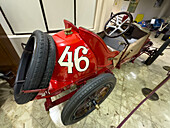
x=31, y=68
x=50, y=63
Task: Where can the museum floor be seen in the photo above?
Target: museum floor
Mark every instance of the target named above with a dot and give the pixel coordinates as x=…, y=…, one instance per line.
x=131, y=78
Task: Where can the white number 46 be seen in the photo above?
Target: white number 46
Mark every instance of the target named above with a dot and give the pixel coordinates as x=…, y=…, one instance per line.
x=77, y=60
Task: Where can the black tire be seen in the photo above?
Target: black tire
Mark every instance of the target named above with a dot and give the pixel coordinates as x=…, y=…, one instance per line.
x=152, y=58
x=165, y=37
x=31, y=68
x=88, y=90
x=50, y=63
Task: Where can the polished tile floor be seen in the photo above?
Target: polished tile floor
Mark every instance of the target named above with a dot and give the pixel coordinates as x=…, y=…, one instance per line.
x=131, y=78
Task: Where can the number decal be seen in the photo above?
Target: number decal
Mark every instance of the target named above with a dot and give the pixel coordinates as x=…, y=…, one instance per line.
x=77, y=60
x=69, y=64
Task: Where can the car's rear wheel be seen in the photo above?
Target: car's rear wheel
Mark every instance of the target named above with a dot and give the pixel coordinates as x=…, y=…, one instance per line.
x=31, y=68
x=152, y=58
x=87, y=98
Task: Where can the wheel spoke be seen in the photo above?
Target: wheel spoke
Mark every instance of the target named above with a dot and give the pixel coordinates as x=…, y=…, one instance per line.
x=124, y=22
x=117, y=20
x=83, y=108
x=113, y=31
x=110, y=26
x=113, y=21
x=121, y=29
x=91, y=102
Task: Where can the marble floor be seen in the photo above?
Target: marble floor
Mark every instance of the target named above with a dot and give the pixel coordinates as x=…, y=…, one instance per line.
x=131, y=78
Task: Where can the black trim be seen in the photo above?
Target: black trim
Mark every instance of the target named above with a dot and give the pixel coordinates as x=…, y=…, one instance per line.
x=44, y=16
x=22, y=33
x=53, y=31
x=7, y=21
x=75, y=12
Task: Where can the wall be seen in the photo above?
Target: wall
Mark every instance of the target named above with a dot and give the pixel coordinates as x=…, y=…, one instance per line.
x=146, y=7
x=103, y=10
x=107, y=7
x=23, y=20
x=117, y=6
x=167, y=13
x=102, y=14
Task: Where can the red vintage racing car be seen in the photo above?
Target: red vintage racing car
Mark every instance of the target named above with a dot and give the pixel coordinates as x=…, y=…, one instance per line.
x=79, y=60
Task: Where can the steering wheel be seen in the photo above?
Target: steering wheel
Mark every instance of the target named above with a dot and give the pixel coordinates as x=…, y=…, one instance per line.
x=118, y=24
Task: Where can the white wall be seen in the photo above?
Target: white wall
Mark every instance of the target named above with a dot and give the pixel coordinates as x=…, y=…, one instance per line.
x=24, y=16
x=85, y=13
x=107, y=6
x=23, y=19
x=102, y=14
x=147, y=8
x=101, y=11
x=56, y=11
x=117, y=6
x=167, y=13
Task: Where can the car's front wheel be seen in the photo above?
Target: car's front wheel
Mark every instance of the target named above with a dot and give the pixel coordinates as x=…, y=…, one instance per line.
x=87, y=98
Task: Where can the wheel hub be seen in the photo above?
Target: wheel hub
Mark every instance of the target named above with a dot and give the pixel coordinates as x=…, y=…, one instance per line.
x=91, y=103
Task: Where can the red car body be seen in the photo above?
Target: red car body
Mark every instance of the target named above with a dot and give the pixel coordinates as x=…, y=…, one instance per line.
x=99, y=56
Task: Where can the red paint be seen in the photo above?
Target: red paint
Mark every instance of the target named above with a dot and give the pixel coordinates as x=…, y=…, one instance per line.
x=70, y=25
x=35, y=90
x=97, y=45
x=49, y=104
x=61, y=77
x=98, y=55
x=99, y=62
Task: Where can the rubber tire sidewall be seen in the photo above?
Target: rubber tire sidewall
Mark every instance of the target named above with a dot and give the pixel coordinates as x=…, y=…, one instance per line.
x=85, y=91
x=50, y=63
x=35, y=72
